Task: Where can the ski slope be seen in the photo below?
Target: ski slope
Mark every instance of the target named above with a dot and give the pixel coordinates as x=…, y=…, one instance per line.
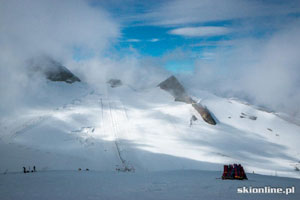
x=130, y=129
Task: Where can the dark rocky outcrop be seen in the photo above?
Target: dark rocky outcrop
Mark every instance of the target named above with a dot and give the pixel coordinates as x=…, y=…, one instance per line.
x=115, y=83
x=174, y=87
x=51, y=69
x=205, y=114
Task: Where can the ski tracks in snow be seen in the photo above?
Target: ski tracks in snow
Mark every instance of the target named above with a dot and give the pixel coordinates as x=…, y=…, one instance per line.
x=119, y=120
x=28, y=125
x=38, y=119
x=115, y=123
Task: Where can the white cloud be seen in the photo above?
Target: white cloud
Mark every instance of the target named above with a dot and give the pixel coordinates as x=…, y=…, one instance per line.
x=138, y=40
x=132, y=70
x=154, y=40
x=201, y=31
x=180, y=12
x=133, y=40
x=52, y=27
x=264, y=71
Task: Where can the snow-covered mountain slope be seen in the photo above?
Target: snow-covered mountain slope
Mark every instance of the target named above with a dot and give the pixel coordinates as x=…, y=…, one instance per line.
x=76, y=126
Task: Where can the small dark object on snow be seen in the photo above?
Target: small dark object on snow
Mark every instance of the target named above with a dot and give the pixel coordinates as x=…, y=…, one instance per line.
x=114, y=83
x=125, y=169
x=24, y=170
x=87, y=169
x=235, y=171
x=269, y=129
x=193, y=118
x=252, y=117
x=34, y=170
x=79, y=169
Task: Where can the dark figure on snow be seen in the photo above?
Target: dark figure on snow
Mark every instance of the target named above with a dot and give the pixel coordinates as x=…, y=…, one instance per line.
x=34, y=170
x=24, y=170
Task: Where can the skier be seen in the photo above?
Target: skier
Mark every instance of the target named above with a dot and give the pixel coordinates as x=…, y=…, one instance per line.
x=24, y=170
x=34, y=170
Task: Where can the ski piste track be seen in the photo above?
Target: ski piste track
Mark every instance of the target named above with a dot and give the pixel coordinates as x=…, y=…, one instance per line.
x=117, y=110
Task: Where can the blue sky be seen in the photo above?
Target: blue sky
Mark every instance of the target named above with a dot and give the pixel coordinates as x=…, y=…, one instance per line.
x=157, y=28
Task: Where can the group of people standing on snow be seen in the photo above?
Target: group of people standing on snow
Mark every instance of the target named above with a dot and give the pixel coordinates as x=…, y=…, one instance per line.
x=28, y=171
x=87, y=169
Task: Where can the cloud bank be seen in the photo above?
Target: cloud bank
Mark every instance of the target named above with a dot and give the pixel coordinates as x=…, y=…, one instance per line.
x=32, y=27
x=263, y=71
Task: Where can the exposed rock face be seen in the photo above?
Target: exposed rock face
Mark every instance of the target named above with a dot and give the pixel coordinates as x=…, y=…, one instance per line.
x=205, y=114
x=174, y=87
x=52, y=69
x=115, y=83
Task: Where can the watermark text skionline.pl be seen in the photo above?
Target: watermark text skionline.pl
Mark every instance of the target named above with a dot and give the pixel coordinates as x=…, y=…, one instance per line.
x=266, y=190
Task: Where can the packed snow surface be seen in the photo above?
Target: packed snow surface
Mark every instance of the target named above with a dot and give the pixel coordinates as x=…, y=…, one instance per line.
x=175, y=185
